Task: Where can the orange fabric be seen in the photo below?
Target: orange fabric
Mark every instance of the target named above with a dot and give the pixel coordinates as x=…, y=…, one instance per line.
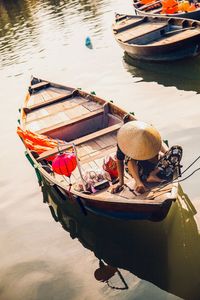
x=169, y=6
x=185, y=6
x=146, y=1
x=38, y=142
x=37, y=148
x=41, y=139
x=192, y=7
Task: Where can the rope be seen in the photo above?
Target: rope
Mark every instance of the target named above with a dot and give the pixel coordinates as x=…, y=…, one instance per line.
x=191, y=165
x=174, y=179
x=198, y=169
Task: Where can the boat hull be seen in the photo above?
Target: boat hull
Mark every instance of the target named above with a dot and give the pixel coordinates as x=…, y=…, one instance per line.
x=121, y=211
x=193, y=15
x=157, y=38
x=163, y=53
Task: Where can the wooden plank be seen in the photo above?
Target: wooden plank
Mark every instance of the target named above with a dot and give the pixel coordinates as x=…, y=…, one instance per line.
x=71, y=121
x=37, y=98
x=36, y=115
x=140, y=31
x=31, y=100
x=179, y=36
x=46, y=95
x=128, y=23
x=57, y=90
x=82, y=151
x=99, y=162
x=88, y=149
x=91, y=105
x=53, y=93
x=40, y=85
x=48, y=102
x=53, y=109
x=81, y=140
x=103, y=153
x=77, y=111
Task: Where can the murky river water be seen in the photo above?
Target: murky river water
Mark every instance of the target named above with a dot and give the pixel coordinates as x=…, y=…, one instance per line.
x=41, y=260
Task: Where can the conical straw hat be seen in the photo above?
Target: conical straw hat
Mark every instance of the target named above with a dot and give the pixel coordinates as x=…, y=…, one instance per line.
x=139, y=140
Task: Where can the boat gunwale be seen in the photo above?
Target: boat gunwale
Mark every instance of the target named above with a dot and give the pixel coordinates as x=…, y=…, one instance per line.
x=171, y=44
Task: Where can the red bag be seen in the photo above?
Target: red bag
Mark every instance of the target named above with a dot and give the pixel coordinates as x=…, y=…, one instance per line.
x=110, y=166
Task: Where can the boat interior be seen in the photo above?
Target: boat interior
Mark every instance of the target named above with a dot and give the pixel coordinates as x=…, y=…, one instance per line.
x=88, y=122
x=153, y=31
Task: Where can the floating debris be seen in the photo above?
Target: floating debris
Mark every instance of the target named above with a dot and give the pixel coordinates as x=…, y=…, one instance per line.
x=88, y=42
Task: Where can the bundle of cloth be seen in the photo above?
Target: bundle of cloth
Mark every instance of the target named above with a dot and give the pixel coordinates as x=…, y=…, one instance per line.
x=37, y=142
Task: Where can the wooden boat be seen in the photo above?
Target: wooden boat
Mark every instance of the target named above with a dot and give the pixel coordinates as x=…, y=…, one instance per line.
x=154, y=8
x=157, y=38
x=89, y=124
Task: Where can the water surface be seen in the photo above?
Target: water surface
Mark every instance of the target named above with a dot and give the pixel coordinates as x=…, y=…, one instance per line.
x=40, y=260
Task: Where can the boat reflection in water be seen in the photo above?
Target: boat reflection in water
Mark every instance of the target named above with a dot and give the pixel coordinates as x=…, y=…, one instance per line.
x=164, y=253
x=183, y=74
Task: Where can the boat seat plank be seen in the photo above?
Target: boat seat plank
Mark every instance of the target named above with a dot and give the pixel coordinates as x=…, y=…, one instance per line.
x=179, y=36
x=74, y=120
x=81, y=140
x=127, y=23
x=28, y=109
x=140, y=31
x=39, y=86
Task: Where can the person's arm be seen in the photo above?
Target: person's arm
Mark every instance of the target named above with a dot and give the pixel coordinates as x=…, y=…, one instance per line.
x=133, y=170
x=164, y=148
x=120, y=169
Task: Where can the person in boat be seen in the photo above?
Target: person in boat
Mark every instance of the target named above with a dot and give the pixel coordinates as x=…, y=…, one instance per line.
x=146, y=158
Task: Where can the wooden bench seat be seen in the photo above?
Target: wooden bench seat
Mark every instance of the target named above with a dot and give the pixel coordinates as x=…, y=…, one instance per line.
x=129, y=23
x=31, y=108
x=146, y=28
x=81, y=140
x=39, y=86
x=179, y=36
x=72, y=121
